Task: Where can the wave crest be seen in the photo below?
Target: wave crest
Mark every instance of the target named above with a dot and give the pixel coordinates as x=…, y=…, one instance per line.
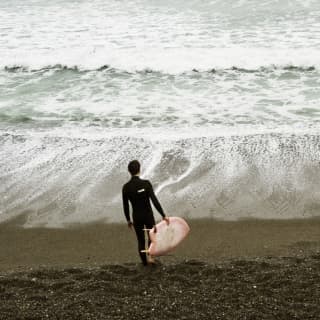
x=169, y=61
x=110, y=69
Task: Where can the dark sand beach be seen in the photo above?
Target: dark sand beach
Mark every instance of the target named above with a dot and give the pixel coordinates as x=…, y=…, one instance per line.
x=249, y=269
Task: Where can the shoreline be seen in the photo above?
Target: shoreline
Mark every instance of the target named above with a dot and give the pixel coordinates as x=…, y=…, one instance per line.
x=209, y=240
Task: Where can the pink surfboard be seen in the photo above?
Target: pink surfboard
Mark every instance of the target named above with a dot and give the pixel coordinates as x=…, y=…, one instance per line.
x=167, y=237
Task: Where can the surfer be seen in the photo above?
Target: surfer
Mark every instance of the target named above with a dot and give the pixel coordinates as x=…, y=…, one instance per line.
x=139, y=192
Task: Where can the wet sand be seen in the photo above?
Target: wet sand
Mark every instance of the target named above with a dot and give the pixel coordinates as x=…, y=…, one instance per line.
x=224, y=270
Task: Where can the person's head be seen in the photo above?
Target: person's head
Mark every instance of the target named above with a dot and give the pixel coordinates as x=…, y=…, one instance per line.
x=134, y=167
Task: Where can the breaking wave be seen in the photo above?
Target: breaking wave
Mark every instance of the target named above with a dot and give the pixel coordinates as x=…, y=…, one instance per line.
x=64, y=180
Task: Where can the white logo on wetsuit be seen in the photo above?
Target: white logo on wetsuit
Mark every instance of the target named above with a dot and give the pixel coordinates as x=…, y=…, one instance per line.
x=141, y=190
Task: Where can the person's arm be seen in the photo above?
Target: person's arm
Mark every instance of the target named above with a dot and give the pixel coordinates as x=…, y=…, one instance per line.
x=155, y=200
x=126, y=209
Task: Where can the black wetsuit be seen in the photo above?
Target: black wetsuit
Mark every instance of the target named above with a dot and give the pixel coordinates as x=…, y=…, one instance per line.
x=139, y=192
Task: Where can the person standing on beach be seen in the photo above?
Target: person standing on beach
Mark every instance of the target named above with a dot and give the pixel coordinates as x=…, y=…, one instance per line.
x=139, y=192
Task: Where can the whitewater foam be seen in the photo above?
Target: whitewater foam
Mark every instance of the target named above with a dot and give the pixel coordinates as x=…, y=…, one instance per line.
x=66, y=179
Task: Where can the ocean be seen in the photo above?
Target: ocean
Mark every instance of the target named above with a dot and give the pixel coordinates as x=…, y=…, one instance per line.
x=219, y=100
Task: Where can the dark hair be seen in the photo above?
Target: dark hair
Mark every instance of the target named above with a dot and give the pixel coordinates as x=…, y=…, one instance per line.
x=134, y=167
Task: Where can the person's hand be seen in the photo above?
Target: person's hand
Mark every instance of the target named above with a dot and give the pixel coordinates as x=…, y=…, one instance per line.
x=166, y=219
x=130, y=225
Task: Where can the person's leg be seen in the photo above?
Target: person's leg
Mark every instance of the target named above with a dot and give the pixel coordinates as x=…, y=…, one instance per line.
x=138, y=227
x=150, y=222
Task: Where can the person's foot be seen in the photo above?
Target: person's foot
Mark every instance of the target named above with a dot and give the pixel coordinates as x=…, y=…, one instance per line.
x=151, y=260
